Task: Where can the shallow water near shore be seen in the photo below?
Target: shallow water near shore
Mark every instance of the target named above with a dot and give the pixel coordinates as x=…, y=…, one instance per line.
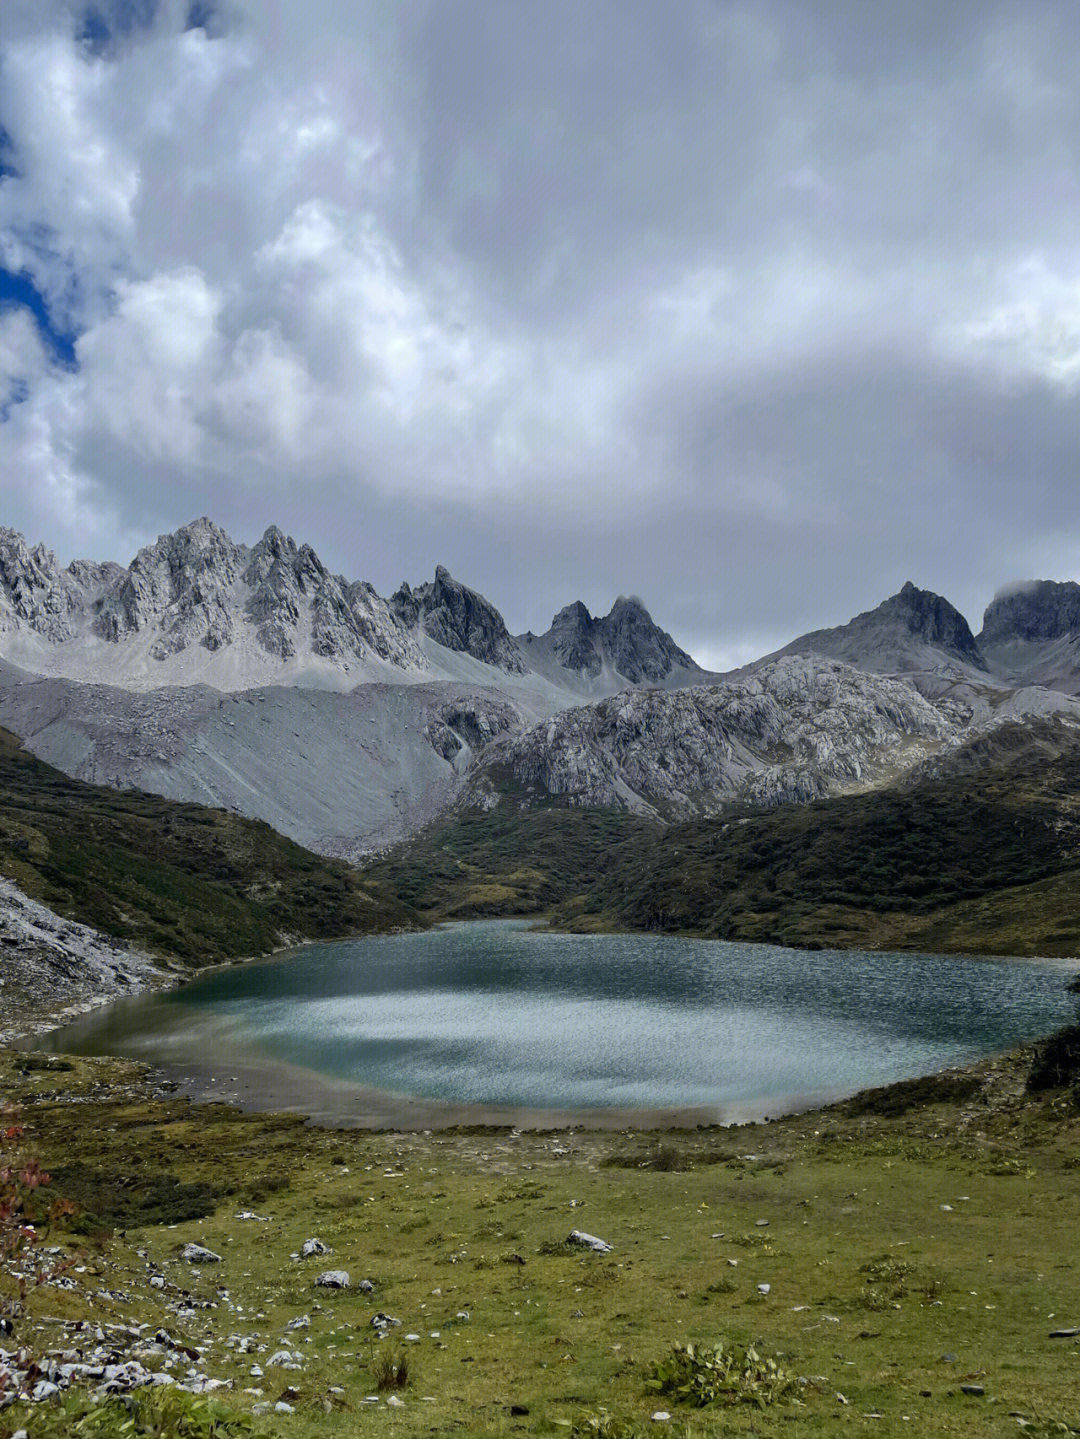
x=494, y=1020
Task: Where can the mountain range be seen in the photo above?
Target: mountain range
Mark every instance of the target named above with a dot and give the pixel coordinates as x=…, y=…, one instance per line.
x=252, y=678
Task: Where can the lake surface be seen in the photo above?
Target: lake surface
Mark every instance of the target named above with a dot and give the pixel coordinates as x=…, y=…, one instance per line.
x=496, y=1014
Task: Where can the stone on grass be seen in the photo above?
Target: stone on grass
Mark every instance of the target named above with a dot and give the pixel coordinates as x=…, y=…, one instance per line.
x=312, y=1246
x=199, y=1254
x=332, y=1279
x=588, y=1241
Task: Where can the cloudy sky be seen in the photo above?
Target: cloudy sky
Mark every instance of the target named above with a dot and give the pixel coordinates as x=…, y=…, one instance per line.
x=754, y=310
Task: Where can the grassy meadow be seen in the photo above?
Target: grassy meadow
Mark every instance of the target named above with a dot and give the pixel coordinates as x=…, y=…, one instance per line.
x=915, y=1241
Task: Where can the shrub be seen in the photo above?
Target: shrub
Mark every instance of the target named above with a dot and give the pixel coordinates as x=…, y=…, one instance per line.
x=722, y=1373
x=1057, y=1061
x=391, y=1371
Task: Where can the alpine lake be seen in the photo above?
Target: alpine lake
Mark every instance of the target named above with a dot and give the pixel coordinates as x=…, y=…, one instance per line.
x=497, y=1020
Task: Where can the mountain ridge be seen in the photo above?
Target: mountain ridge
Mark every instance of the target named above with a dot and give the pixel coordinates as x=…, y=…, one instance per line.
x=196, y=606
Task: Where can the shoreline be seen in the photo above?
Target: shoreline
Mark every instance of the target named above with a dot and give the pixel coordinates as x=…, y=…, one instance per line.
x=256, y=1084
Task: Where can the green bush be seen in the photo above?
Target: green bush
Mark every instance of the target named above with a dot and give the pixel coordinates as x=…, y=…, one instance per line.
x=721, y=1373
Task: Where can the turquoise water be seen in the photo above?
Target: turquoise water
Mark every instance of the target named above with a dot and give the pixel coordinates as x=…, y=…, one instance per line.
x=495, y=1013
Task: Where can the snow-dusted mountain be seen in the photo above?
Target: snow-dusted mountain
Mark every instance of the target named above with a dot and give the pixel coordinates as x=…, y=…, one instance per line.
x=253, y=678
x=196, y=607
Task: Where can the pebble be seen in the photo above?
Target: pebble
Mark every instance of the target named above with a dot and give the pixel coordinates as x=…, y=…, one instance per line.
x=764, y=1288
x=661, y=1416
x=975, y=1390
x=282, y=1408
x=313, y=1246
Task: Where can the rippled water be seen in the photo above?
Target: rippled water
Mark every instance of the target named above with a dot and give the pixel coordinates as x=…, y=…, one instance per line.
x=495, y=1013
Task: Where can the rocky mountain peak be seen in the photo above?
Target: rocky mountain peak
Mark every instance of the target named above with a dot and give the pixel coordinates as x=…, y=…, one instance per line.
x=34, y=591
x=1033, y=611
x=459, y=619
x=912, y=631
x=627, y=639
x=932, y=618
x=639, y=649
x=179, y=587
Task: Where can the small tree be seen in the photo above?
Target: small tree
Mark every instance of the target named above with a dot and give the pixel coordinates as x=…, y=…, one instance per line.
x=21, y=1218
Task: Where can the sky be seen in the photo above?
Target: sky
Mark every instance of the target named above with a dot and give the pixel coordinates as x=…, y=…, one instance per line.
x=753, y=310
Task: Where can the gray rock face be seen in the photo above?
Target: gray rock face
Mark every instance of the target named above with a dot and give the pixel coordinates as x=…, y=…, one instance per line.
x=54, y=969
x=459, y=619
x=196, y=607
x=1031, y=634
x=626, y=640
x=1035, y=610
x=198, y=591
x=800, y=728
x=912, y=630
x=178, y=587
x=37, y=594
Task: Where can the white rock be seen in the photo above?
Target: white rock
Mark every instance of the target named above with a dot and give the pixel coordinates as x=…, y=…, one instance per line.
x=588, y=1241
x=333, y=1279
x=199, y=1254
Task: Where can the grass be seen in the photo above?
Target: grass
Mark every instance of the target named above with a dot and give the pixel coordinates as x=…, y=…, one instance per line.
x=898, y=1235
x=194, y=884
x=981, y=857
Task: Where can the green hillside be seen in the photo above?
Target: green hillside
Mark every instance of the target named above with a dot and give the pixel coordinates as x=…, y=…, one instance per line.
x=181, y=880
x=983, y=856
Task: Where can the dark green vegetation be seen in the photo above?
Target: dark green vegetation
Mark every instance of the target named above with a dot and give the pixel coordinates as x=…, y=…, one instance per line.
x=180, y=880
x=982, y=856
x=919, y=1253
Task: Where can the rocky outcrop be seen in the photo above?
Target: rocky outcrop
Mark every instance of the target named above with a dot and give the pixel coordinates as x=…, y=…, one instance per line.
x=458, y=619
x=53, y=969
x=798, y=729
x=625, y=641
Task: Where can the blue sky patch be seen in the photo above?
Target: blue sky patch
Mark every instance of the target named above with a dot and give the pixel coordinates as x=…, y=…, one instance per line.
x=18, y=291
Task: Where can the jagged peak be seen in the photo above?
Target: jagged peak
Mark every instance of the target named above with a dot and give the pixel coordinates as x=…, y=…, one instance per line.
x=1032, y=610
x=575, y=614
